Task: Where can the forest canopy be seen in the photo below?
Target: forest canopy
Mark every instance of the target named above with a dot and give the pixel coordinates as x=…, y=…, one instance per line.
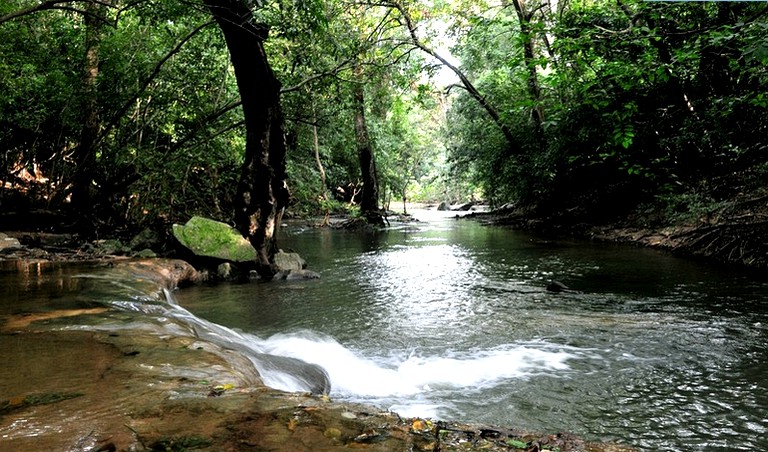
x=121, y=115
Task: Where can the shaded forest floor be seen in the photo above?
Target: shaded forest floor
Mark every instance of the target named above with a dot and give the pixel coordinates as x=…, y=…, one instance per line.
x=731, y=232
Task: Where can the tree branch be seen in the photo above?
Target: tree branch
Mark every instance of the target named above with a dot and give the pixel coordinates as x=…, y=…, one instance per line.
x=54, y=4
x=335, y=70
x=155, y=72
x=514, y=146
x=210, y=118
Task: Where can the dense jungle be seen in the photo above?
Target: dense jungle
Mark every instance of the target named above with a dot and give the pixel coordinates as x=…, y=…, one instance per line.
x=121, y=116
x=317, y=126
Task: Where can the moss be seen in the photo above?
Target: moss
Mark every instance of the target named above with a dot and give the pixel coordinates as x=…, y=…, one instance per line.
x=180, y=444
x=211, y=238
x=35, y=399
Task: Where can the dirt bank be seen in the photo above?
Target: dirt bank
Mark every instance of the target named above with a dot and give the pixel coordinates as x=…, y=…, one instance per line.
x=731, y=232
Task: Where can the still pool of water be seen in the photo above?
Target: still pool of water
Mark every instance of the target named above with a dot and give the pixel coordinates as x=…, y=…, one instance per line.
x=450, y=319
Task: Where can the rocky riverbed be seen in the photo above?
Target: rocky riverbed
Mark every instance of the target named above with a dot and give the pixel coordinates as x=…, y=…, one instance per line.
x=129, y=389
x=127, y=397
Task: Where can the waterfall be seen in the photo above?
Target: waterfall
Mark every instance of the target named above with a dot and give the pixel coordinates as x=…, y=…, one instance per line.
x=278, y=372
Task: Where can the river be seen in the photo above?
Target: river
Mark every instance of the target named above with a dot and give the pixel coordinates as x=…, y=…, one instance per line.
x=451, y=319
x=440, y=318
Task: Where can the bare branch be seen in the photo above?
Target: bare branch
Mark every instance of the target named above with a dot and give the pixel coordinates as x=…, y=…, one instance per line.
x=335, y=70
x=208, y=119
x=454, y=85
x=50, y=4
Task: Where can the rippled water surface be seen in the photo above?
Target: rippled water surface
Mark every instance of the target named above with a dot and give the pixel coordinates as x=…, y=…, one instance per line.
x=450, y=319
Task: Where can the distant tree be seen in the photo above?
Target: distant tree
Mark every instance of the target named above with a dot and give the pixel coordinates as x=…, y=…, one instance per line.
x=85, y=152
x=369, y=204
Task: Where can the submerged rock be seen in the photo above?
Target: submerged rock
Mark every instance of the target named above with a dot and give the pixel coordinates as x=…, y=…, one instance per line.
x=464, y=207
x=172, y=389
x=557, y=286
x=297, y=274
x=311, y=377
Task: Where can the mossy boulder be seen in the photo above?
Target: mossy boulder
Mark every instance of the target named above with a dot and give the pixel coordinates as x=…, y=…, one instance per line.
x=210, y=238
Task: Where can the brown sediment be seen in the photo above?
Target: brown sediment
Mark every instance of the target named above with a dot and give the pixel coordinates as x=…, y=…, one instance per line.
x=21, y=321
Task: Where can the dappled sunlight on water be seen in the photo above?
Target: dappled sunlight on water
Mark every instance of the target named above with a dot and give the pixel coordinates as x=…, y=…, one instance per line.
x=424, y=286
x=452, y=319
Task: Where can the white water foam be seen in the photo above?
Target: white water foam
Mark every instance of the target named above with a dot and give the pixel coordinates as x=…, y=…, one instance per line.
x=354, y=375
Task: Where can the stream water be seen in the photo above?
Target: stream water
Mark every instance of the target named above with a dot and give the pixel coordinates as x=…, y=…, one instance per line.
x=450, y=319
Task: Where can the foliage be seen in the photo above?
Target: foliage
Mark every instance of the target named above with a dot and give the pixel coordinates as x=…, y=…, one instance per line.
x=639, y=99
x=642, y=102
x=38, y=104
x=160, y=90
x=688, y=207
x=402, y=121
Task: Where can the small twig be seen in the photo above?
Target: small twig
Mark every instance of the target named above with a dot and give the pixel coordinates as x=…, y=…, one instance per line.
x=138, y=436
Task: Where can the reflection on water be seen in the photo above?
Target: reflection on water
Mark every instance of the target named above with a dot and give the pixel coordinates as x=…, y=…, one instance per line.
x=410, y=284
x=45, y=285
x=451, y=319
x=444, y=319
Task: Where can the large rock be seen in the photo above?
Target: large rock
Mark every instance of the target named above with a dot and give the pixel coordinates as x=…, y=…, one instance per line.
x=8, y=243
x=292, y=266
x=209, y=238
x=289, y=261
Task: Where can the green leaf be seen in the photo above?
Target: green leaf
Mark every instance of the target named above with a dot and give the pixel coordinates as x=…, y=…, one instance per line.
x=517, y=443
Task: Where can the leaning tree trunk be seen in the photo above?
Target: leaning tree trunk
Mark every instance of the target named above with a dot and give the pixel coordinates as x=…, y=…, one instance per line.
x=262, y=192
x=369, y=204
x=513, y=145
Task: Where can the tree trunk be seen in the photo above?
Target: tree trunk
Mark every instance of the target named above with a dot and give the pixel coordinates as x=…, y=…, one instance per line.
x=323, y=189
x=85, y=153
x=262, y=192
x=529, y=55
x=369, y=203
